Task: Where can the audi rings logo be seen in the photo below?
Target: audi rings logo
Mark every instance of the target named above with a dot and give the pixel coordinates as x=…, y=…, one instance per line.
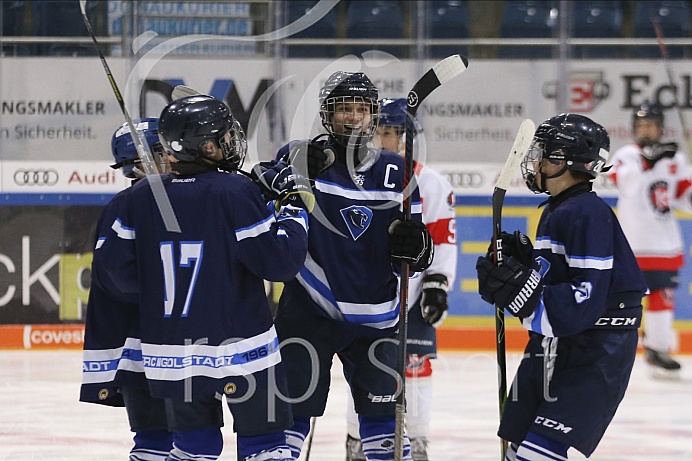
x=37, y=177
x=466, y=179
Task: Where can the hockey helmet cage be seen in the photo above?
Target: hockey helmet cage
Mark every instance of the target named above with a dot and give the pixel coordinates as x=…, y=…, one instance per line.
x=581, y=142
x=187, y=124
x=349, y=87
x=124, y=149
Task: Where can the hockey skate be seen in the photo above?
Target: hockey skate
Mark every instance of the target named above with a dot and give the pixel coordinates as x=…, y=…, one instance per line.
x=419, y=449
x=663, y=365
x=354, y=449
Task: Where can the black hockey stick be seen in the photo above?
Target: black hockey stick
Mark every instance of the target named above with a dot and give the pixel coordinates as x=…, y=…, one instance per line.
x=440, y=73
x=165, y=208
x=666, y=65
x=516, y=155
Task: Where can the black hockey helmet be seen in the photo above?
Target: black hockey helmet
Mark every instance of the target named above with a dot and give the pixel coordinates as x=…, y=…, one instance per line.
x=349, y=87
x=187, y=124
x=581, y=142
x=648, y=111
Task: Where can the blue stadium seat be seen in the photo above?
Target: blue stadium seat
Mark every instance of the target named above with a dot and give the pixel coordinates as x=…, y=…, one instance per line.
x=64, y=19
x=324, y=28
x=596, y=19
x=377, y=19
x=12, y=18
x=447, y=19
x=527, y=19
x=674, y=19
x=13, y=25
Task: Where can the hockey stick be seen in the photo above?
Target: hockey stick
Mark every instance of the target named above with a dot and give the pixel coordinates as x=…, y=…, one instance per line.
x=440, y=73
x=182, y=91
x=516, y=155
x=666, y=65
x=164, y=205
x=313, y=420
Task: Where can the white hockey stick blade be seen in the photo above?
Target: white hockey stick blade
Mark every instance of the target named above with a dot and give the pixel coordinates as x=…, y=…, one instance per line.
x=450, y=67
x=517, y=154
x=182, y=91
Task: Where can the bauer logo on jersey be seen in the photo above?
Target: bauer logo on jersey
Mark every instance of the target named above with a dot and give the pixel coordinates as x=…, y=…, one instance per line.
x=357, y=219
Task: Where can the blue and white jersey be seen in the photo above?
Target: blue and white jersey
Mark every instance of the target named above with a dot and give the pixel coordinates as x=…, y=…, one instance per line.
x=348, y=273
x=112, y=355
x=203, y=311
x=586, y=262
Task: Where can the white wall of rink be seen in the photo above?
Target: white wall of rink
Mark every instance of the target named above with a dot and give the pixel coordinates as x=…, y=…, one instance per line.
x=43, y=420
x=55, y=110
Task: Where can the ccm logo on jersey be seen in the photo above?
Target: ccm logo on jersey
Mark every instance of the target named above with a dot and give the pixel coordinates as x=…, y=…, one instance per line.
x=526, y=292
x=552, y=424
x=616, y=321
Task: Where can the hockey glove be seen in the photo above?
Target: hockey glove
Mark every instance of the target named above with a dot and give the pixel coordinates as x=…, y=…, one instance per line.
x=515, y=245
x=281, y=182
x=657, y=151
x=512, y=286
x=310, y=158
x=433, y=299
x=410, y=242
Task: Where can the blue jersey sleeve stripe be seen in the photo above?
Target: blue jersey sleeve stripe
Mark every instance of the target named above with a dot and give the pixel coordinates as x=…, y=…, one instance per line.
x=100, y=242
x=125, y=233
x=579, y=262
x=255, y=230
x=358, y=194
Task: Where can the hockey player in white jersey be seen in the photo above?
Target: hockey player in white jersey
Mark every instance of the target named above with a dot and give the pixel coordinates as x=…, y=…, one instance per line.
x=653, y=181
x=427, y=291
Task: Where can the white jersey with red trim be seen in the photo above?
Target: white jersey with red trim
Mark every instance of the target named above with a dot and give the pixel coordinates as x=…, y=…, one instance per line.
x=647, y=198
x=437, y=199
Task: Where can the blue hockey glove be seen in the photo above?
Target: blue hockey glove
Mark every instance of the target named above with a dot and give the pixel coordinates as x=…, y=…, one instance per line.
x=515, y=245
x=310, y=158
x=512, y=286
x=433, y=299
x=281, y=182
x=410, y=241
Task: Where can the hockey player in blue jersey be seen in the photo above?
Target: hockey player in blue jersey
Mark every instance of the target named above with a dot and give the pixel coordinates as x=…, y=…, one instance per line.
x=578, y=291
x=112, y=375
x=427, y=292
x=344, y=300
x=206, y=327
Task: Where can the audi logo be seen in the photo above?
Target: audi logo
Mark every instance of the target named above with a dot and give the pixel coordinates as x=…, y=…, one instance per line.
x=36, y=177
x=465, y=179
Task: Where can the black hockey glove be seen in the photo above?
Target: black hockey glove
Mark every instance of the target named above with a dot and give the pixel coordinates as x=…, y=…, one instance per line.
x=281, y=182
x=310, y=158
x=512, y=286
x=515, y=245
x=657, y=151
x=433, y=299
x=410, y=241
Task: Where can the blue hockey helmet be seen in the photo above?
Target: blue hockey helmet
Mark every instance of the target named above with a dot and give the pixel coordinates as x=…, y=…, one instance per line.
x=186, y=125
x=354, y=87
x=393, y=112
x=582, y=143
x=123, y=145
